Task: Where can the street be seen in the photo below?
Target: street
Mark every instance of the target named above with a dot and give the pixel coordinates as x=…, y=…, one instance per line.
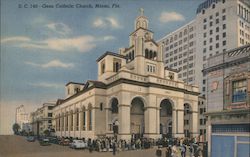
x=18, y=146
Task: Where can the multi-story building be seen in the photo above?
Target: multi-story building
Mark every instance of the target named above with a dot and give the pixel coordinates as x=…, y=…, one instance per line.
x=22, y=118
x=228, y=102
x=133, y=96
x=41, y=119
x=219, y=25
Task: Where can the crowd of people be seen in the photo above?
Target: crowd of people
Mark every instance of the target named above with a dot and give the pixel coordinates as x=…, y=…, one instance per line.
x=172, y=147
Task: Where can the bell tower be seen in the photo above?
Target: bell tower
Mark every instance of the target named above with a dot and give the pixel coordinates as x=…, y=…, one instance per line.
x=141, y=21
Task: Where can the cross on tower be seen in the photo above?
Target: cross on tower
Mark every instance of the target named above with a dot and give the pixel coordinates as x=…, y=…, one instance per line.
x=141, y=11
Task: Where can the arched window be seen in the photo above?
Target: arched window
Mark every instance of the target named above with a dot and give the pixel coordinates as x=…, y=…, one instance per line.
x=77, y=119
x=130, y=56
x=133, y=54
x=150, y=54
x=90, y=117
x=71, y=121
x=114, y=106
x=103, y=68
x=62, y=122
x=146, y=54
x=67, y=121
x=83, y=118
x=155, y=55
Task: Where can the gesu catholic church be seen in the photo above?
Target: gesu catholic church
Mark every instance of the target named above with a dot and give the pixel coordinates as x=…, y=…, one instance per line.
x=134, y=96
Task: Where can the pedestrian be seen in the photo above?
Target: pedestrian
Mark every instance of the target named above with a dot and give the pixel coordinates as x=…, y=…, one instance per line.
x=158, y=152
x=114, y=147
x=183, y=150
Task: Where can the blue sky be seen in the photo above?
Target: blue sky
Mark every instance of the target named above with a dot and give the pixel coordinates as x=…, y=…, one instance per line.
x=44, y=48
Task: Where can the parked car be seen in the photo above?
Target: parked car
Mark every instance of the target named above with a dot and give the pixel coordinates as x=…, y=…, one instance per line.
x=78, y=144
x=44, y=142
x=54, y=140
x=31, y=138
x=64, y=142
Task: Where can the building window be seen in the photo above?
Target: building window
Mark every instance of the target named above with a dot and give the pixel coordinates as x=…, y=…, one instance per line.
x=84, y=121
x=101, y=106
x=224, y=34
x=211, y=32
x=217, y=29
x=217, y=14
x=224, y=26
x=211, y=23
x=204, y=81
x=217, y=21
x=204, y=20
x=102, y=67
x=49, y=114
x=223, y=17
x=90, y=119
x=203, y=89
x=205, y=27
x=211, y=17
x=50, y=107
x=217, y=37
x=239, y=91
x=217, y=45
x=224, y=43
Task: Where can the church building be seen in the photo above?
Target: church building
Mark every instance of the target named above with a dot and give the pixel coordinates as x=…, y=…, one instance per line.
x=133, y=96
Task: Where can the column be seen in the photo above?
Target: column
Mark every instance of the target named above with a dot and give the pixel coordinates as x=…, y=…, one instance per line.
x=179, y=123
x=124, y=122
x=174, y=126
x=74, y=123
x=80, y=123
x=108, y=120
x=152, y=122
x=194, y=115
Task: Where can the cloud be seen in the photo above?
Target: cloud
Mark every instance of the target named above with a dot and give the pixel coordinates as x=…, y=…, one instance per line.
x=170, y=17
x=109, y=37
x=99, y=23
x=52, y=64
x=47, y=85
x=15, y=39
x=81, y=44
x=106, y=22
x=59, y=28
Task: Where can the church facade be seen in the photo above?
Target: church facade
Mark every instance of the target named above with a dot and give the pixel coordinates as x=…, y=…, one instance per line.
x=134, y=95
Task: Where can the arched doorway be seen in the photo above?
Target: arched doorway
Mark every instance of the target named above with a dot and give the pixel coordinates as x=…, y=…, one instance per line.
x=187, y=120
x=114, y=108
x=166, y=118
x=137, y=118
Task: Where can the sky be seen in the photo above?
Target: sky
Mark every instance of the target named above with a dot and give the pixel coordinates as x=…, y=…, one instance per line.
x=44, y=47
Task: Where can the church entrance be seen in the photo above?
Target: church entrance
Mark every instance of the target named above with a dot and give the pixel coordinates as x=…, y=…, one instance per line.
x=166, y=118
x=137, y=118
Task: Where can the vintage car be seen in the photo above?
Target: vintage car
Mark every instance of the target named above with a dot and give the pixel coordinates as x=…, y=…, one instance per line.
x=64, y=142
x=31, y=139
x=44, y=142
x=78, y=144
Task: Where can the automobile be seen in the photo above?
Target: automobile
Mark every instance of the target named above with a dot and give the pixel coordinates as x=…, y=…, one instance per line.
x=44, y=142
x=31, y=139
x=64, y=142
x=78, y=144
x=54, y=140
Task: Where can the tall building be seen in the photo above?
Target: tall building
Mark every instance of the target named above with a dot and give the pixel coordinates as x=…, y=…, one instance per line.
x=22, y=118
x=41, y=119
x=134, y=95
x=219, y=25
x=228, y=98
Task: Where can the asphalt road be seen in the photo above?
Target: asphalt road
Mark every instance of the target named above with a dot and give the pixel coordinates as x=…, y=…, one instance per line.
x=17, y=146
